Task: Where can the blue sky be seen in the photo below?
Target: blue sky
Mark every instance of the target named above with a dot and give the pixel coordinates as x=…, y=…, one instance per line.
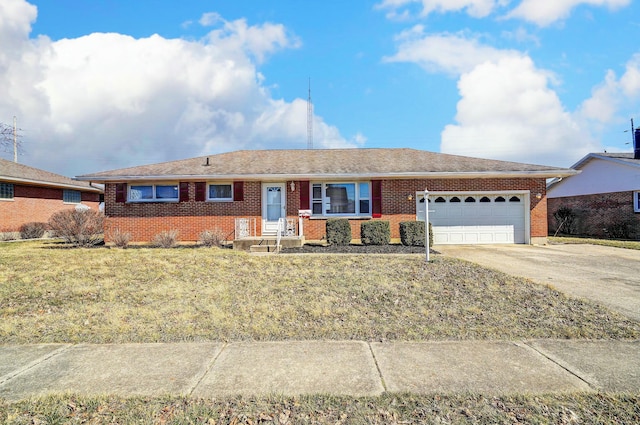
x=105, y=84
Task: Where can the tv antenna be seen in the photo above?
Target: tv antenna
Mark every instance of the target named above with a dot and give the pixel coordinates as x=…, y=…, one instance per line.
x=309, y=119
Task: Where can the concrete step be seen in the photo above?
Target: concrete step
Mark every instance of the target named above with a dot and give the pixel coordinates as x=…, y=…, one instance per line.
x=247, y=243
x=263, y=248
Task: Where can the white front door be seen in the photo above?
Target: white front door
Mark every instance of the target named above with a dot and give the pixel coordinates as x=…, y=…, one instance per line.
x=274, y=206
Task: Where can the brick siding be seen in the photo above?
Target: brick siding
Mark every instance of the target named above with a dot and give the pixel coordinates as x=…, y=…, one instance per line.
x=145, y=220
x=36, y=204
x=599, y=215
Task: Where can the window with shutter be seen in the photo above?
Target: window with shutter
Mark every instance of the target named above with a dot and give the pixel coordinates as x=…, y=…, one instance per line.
x=121, y=192
x=376, y=198
x=238, y=191
x=201, y=191
x=184, y=191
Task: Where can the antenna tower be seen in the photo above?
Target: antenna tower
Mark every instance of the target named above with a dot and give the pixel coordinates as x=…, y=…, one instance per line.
x=309, y=119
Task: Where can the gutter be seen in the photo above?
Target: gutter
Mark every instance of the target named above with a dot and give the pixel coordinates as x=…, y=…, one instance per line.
x=337, y=176
x=90, y=188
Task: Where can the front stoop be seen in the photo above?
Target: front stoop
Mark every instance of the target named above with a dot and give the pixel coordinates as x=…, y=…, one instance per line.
x=266, y=244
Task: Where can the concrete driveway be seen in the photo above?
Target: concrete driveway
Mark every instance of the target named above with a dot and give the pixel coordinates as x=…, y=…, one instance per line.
x=609, y=276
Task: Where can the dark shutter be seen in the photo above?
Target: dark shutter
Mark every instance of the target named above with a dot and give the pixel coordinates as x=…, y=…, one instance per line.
x=238, y=191
x=121, y=192
x=376, y=198
x=184, y=191
x=304, y=196
x=201, y=191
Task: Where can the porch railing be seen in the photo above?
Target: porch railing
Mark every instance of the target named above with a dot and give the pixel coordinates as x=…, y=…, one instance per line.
x=245, y=228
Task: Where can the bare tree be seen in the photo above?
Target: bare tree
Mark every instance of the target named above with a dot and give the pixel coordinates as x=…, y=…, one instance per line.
x=7, y=137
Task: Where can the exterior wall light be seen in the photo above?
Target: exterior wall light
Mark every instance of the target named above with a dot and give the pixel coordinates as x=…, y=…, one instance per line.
x=292, y=186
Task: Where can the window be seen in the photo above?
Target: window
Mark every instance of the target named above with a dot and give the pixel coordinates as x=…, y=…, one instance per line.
x=153, y=192
x=6, y=190
x=485, y=199
x=71, y=196
x=455, y=199
x=220, y=192
x=636, y=201
x=500, y=199
x=440, y=200
x=514, y=199
x=470, y=199
x=341, y=198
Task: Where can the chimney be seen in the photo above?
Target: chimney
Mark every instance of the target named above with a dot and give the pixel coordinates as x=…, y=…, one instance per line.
x=636, y=144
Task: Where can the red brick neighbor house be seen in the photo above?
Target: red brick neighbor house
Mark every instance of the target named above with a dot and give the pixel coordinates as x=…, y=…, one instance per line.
x=261, y=193
x=604, y=197
x=29, y=194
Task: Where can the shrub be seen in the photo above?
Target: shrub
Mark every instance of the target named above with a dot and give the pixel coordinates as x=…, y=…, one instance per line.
x=412, y=233
x=78, y=227
x=338, y=231
x=165, y=239
x=375, y=232
x=9, y=236
x=120, y=239
x=210, y=238
x=565, y=219
x=619, y=229
x=34, y=230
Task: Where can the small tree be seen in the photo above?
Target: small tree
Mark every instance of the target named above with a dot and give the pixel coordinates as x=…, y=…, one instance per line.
x=79, y=227
x=565, y=218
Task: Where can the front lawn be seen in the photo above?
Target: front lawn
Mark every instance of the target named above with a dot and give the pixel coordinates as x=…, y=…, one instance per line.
x=49, y=293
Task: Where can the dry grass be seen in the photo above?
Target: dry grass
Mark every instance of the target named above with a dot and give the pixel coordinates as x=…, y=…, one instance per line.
x=592, y=241
x=100, y=295
x=581, y=408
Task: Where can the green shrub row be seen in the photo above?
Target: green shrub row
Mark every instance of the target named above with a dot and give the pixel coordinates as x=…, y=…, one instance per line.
x=377, y=232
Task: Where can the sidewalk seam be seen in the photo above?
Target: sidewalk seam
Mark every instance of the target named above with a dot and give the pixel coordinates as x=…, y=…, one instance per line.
x=207, y=370
x=375, y=361
x=561, y=364
x=9, y=376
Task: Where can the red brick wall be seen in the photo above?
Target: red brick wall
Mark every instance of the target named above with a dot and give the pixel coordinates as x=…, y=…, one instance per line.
x=144, y=220
x=598, y=215
x=396, y=208
x=32, y=203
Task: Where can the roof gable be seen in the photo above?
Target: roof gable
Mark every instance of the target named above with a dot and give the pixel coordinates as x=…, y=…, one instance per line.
x=328, y=163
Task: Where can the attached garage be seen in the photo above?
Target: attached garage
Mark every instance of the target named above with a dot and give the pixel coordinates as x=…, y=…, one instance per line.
x=477, y=218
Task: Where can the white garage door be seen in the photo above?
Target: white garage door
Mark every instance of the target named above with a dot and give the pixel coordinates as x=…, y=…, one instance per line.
x=476, y=219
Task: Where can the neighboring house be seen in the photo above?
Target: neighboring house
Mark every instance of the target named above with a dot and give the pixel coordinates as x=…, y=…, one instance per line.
x=246, y=193
x=605, y=196
x=29, y=194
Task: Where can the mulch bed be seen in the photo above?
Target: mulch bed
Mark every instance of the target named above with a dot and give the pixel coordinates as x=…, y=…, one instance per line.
x=356, y=249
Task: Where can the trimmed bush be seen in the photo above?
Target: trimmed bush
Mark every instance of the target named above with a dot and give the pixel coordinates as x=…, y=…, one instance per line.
x=412, y=233
x=165, y=239
x=78, y=227
x=34, y=230
x=210, y=238
x=120, y=239
x=377, y=232
x=338, y=231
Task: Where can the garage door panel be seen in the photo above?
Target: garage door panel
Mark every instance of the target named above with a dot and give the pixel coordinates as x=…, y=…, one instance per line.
x=479, y=222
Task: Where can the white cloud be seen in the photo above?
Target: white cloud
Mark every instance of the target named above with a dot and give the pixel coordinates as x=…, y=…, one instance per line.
x=453, y=54
x=507, y=108
x=546, y=12
x=507, y=111
x=105, y=101
x=401, y=9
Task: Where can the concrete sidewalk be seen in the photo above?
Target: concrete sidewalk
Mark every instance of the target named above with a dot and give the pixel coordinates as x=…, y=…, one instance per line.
x=309, y=367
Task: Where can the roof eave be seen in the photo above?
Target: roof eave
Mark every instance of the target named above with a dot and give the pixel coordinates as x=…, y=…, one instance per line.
x=52, y=184
x=337, y=176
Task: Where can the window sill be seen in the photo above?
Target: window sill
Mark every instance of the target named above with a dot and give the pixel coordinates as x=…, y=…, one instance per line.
x=349, y=217
x=154, y=201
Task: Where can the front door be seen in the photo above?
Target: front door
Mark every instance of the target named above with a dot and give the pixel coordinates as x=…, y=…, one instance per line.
x=274, y=206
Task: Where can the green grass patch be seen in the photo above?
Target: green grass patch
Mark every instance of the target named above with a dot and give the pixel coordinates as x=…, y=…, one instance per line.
x=592, y=241
x=99, y=295
x=575, y=408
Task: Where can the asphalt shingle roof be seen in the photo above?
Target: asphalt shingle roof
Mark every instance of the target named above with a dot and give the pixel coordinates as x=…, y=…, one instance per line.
x=301, y=163
x=20, y=173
